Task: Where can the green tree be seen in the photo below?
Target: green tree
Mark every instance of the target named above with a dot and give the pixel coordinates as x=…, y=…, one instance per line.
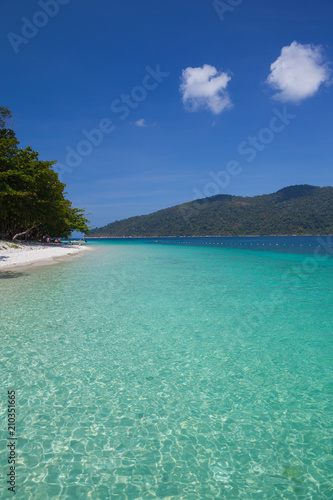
x=32, y=198
x=6, y=123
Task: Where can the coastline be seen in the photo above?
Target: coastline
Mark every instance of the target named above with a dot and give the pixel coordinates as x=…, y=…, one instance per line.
x=21, y=254
x=208, y=236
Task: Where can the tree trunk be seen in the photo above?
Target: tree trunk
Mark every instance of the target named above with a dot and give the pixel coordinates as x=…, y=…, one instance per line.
x=25, y=233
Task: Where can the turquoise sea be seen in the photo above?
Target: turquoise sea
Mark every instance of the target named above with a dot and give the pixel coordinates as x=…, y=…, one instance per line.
x=183, y=369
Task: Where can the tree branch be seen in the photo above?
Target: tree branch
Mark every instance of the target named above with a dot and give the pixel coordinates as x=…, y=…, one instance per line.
x=25, y=233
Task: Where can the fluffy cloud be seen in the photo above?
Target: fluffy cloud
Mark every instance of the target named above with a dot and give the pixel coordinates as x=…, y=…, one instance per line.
x=141, y=123
x=205, y=88
x=298, y=72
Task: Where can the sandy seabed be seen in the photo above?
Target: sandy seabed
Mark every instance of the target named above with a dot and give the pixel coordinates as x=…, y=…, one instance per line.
x=14, y=255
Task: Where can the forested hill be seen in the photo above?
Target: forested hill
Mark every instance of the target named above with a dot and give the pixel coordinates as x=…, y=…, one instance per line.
x=297, y=210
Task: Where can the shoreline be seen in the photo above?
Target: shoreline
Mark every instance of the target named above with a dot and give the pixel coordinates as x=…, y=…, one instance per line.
x=18, y=255
x=209, y=236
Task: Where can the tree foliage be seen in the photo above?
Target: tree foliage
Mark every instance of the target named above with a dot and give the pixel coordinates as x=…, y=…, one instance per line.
x=295, y=210
x=31, y=194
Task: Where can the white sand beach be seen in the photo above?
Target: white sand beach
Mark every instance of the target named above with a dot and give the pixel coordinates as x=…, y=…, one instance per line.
x=19, y=254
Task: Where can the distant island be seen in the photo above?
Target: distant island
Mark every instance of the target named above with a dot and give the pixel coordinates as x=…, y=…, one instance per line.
x=294, y=210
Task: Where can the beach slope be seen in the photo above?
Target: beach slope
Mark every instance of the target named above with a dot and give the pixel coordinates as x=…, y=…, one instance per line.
x=14, y=255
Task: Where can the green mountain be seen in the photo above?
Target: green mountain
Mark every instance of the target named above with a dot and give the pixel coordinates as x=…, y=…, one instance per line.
x=297, y=210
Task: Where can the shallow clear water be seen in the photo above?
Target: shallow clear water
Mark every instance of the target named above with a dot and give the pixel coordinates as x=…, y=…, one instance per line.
x=148, y=371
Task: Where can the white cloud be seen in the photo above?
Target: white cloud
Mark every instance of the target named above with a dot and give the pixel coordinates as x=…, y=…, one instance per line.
x=205, y=88
x=141, y=123
x=298, y=72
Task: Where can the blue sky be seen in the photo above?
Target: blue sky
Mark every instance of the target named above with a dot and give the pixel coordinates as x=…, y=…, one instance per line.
x=198, y=84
